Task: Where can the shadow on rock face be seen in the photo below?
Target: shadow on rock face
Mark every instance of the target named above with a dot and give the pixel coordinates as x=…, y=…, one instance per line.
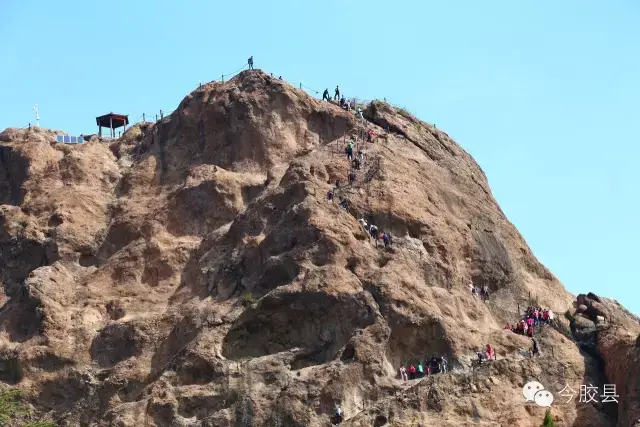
x=116, y=342
x=14, y=170
x=413, y=342
x=380, y=421
x=200, y=209
x=317, y=323
x=185, y=331
x=201, y=406
x=20, y=256
x=495, y=267
x=22, y=318
x=62, y=392
x=193, y=368
x=10, y=366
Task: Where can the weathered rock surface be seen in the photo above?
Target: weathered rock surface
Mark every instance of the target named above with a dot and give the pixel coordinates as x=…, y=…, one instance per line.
x=193, y=273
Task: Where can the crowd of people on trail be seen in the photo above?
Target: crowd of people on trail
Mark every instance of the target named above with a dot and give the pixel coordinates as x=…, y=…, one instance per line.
x=533, y=317
x=375, y=234
x=431, y=366
x=344, y=103
x=356, y=162
x=438, y=364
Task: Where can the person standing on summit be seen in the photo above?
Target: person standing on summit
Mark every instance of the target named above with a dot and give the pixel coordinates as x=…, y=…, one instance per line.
x=250, y=62
x=325, y=95
x=337, y=94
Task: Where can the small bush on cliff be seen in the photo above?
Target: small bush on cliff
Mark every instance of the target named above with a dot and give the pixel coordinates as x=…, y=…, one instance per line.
x=548, y=420
x=248, y=298
x=10, y=405
x=403, y=112
x=12, y=409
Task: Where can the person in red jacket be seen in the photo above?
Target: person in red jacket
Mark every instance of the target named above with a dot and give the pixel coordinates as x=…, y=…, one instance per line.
x=412, y=372
x=530, y=322
x=490, y=353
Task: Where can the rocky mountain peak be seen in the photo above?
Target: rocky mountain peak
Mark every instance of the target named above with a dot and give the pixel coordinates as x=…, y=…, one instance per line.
x=212, y=268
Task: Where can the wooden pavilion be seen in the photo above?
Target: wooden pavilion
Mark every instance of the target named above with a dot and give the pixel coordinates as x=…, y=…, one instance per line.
x=113, y=122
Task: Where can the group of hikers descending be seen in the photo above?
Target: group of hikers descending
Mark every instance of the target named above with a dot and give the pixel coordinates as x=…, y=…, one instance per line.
x=373, y=231
x=483, y=292
x=356, y=162
x=344, y=103
x=533, y=317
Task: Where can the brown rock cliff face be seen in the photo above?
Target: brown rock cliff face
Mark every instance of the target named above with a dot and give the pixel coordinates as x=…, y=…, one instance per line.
x=193, y=273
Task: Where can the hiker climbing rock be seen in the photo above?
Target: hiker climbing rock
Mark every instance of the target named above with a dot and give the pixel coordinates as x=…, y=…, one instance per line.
x=412, y=372
x=535, y=350
x=386, y=238
x=434, y=363
x=490, y=353
x=474, y=291
x=250, y=62
x=343, y=102
x=443, y=364
x=344, y=204
x=373, y=231
x=359, y=113
x=330, y=195
x=363, y=223
x=338, y=416
x=349, y=151
x=361, y=157
x=325, y=95
x=485, y=293
x=530, y=322
x=403, y=373
x=369, y=135
x=356, y=163
x=337, y=94
x=352, y=177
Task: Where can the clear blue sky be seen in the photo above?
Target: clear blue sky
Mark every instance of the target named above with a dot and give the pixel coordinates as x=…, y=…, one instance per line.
x=543, y=94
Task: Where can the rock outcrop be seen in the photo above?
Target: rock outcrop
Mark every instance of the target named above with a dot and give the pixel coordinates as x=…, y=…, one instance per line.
x=194, y=273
